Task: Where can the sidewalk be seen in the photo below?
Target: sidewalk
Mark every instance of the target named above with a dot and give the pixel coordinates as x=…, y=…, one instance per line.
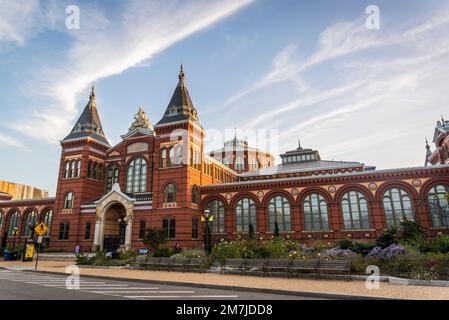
x=357, y=288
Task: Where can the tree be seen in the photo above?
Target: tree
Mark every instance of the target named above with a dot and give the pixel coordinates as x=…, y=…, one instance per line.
x=251, y=232
x=411, y=232
x=276, y=230
x=154, y=237
x=388, y=237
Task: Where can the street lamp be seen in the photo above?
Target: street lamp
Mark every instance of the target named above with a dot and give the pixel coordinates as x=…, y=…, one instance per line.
x=14, y=233
x=206, y=218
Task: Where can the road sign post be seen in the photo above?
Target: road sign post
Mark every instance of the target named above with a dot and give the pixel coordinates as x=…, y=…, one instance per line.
x=40, y=229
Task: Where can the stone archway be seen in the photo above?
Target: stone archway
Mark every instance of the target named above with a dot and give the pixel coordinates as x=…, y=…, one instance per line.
x=114, y=218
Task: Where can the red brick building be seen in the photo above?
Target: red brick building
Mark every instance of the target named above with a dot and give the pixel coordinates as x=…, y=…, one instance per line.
x=160, y=176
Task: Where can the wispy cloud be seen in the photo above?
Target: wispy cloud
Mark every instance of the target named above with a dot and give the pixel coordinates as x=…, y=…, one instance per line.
x=8, y=141
x=101, y=48
x=370, y=85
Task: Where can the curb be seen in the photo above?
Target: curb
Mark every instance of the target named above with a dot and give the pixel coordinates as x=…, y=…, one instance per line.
x=317, y=295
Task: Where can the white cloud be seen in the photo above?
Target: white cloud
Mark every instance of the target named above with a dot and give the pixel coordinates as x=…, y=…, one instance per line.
x=8, y=141
x=374, y=98
x=102, y=48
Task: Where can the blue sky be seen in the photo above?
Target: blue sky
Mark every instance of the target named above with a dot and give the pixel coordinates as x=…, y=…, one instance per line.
x=307, y=69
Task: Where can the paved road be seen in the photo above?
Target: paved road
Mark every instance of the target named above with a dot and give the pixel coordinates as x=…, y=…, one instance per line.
x=17, y=285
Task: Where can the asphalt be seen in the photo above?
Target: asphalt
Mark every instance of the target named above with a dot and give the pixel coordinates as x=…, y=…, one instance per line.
x=26, y=285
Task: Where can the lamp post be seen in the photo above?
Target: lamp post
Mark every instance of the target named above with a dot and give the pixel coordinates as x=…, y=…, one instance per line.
x=206, y=218
x=14, y=233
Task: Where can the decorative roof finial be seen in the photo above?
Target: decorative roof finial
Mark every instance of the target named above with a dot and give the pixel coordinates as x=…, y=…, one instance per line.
x=442, y=120
x=427, y=144
x=299, y=144
x=181, y=72
x=235, y=134
x=92, y=92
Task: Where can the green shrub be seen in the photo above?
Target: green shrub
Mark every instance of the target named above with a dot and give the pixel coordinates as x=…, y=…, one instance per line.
x=100, y=259
x=387, y=238
x=162, y=252
x=410, y=232
x=82, y=259
x=345, y=244
x=437, y=245
x=154, y=237
x=128, y=255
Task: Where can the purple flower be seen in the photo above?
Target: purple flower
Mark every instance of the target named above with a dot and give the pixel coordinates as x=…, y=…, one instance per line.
x=389, y=252
x=338, y=252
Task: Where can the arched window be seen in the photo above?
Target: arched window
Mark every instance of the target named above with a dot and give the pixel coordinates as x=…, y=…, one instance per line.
x=245, y=214
x=195, y=194
x=95, y=172
x=216, y=208
x=279, y=212
x=397, y=206
x=170, y=193
x=176, y=155
x=113, y=174
x=72, y=169
x=164, y=158
x=66, y=169
x=78, y=169
x=355, y=211
x=438, y=198
x=136, y=177
x=47, y=218
x=68, y=200
x=239, y=163
x=13, y=222
x=169, y=227
x=29, y=223
x=171, y=155
x=315, y=213
x=253, y=163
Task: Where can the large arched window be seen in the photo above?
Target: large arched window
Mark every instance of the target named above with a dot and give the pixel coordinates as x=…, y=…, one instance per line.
x=68, y=200
x=245, y=214
x=397, y=206
x=239, y=163
x=47, y=218
x=136, y=176
x=355, y=211
x=66, y=169
x=279, y=212
x=164, y=158
x=73, y=169
x=29, y=223
x=315, y=213
x=216, y=208
x=195, y=194
x=113, y=174
x=438, y=198
x=13, y=222
x=170, y=193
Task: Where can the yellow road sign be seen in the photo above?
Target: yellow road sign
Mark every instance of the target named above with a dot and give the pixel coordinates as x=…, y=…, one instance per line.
x=211, y=218
x=29, y=252
x=41, y=228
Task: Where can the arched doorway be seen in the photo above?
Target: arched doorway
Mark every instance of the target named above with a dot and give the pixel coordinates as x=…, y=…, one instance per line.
x=114, y=234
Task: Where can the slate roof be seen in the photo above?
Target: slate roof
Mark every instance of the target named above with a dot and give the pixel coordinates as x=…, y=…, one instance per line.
x=303, y=167
x=180, y=106
x=89, y=124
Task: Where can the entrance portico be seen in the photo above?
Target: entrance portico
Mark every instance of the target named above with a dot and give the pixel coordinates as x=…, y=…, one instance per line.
x=114, y=218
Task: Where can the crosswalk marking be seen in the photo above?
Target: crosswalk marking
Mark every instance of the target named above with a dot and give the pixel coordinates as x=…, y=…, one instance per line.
x=189, y=296
x=127, y=289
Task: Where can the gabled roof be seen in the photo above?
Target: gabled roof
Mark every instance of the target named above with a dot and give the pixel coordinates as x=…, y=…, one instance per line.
x=180, y=106
x=88, y=124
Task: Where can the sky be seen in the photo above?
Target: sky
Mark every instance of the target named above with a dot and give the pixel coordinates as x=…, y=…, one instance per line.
x=283, y=69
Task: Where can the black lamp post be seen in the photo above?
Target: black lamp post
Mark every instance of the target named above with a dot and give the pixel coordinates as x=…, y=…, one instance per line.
x=207, y=217
x=14, y=233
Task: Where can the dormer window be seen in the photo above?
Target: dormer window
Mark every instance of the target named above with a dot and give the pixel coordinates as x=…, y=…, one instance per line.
x=99, y=131
x=173, y=111
x=77, y=128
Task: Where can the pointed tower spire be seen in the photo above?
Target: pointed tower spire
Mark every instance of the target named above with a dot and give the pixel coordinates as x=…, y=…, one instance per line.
x=180, y=106
x=89, y=124
x=299, y=144
x=428, y=154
